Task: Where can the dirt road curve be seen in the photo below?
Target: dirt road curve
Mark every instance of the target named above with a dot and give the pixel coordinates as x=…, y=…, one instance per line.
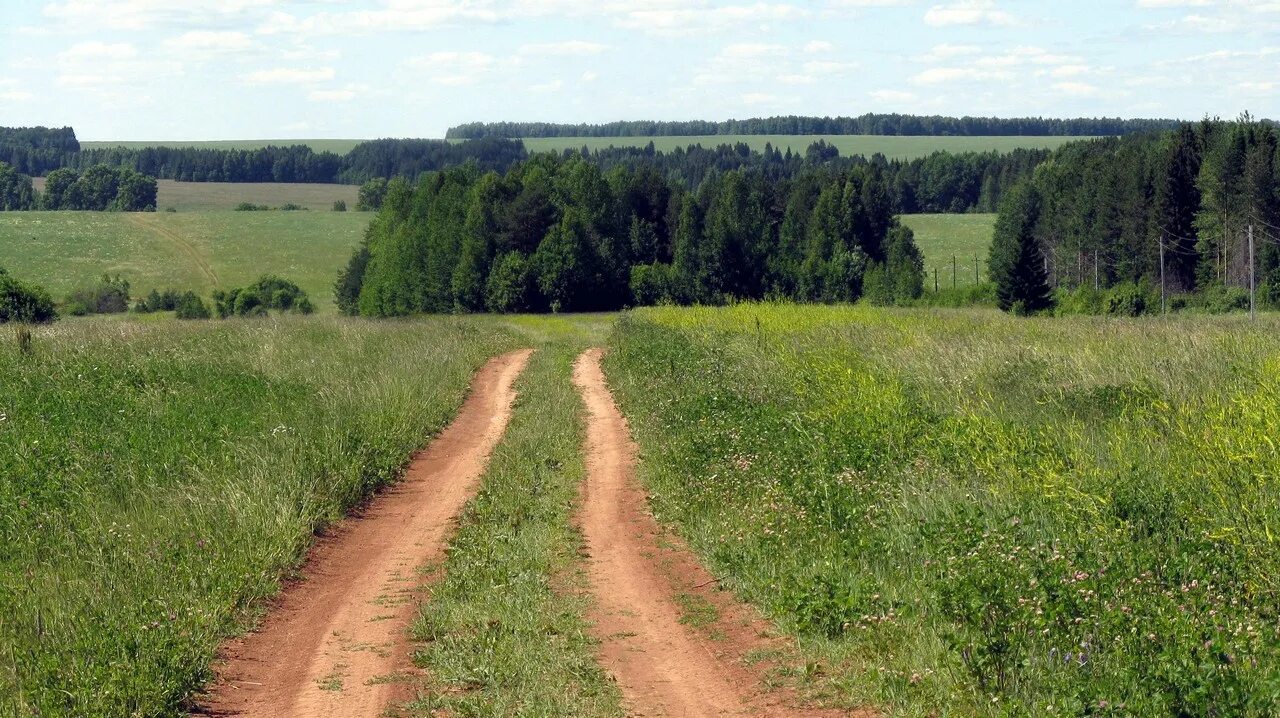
x=664, y=668
x=334, y=643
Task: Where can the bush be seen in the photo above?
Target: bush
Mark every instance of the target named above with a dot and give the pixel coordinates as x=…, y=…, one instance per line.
x=981, y=295
x=24, y=303
x=257, y=299
x=1221, y=299
x=1082, y=300
x=653, y=284
x=372, y=193
x=251, y=207
x=190, y=306
x=291, y=207
x=1130, y=299
x=110, y=296
x=340, y=206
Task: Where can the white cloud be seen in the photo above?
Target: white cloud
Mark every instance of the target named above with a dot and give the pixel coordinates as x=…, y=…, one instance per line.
x=290, y=75
x=453, y=68
x=759, y=98
x=140, y=14
x=590, y=76
x=98, y=51
x=331, y=95
x=1076, y=89
x=893, y=96
x=209, y=41
x=569, y=48
x=1070, y=70
x=967, y=12
x=552, y=86
x=815, y=46
x=687, y=21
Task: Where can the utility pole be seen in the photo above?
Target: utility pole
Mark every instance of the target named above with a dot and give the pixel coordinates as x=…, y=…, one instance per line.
x=935, y=280
x=1162, y=301
x=976, y=276
x=953, y=271
x=1095, y=270
x=1253, y=283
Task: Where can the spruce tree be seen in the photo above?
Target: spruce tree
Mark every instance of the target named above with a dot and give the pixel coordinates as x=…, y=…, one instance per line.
x=1017, y=266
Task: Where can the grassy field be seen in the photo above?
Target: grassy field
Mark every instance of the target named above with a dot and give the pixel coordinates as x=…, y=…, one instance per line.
x=200, y=251
x=942, y=236
x=893, y=147
x=199, y=196
x=159, y=478
x=964, y=513
x=341, y=147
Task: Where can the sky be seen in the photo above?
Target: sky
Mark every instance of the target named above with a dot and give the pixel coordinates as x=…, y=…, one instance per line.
x=304, y=69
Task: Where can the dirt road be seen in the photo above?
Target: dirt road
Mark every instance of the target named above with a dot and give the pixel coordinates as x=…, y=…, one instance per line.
x=664, y=667
x=335, y=643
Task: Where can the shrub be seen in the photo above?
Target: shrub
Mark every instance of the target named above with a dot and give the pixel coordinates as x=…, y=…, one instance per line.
x=110, y=296
x=190, y=306
x=291, y=207
x=372, y=193
x=24, y=303
x=340, y=206
x=257, y=299
x=1221, y=299
x=251, y=207
x=1130, y=299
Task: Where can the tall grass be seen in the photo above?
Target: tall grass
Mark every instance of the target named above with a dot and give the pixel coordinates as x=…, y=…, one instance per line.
x=158, y=478
x=968, y=514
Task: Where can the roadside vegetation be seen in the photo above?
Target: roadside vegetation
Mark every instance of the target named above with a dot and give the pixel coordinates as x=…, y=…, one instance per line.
x=965, y=513
x=162, y=478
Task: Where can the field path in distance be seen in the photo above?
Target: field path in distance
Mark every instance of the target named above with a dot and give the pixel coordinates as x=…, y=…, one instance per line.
x=152, y=224
x=336, y=644
x=637, y=573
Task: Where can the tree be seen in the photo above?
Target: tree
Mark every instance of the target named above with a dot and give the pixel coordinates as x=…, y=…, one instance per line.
x=904, y=266
x=1177, y=200
x=1017, y=266
x=372, y=193
x=191, y=306
x=346, y=291
x=16, y=190
x=57, y=189
x=509, y=286
x=567, y=271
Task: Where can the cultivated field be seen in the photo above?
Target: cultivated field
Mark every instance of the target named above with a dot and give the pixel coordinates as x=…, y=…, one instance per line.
x=341, y=147
x=893, y=147
x=197, y=196
x=200, y=251
x=942, y=236
x=964, y=513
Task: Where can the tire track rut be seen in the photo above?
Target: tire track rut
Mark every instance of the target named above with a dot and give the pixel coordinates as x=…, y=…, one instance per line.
x=336, y=644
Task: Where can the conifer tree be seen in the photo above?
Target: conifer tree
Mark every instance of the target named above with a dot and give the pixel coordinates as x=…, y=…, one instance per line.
x=1017, y=266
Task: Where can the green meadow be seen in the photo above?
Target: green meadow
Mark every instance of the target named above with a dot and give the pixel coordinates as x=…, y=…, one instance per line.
x=199, y=251
x=966, y=513
x=943, y=236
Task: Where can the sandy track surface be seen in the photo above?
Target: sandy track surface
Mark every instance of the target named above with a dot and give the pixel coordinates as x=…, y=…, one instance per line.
x=336, y=644
x=664, y=668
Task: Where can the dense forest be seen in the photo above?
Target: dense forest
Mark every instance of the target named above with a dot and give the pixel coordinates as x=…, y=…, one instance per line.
x=37, y=151
x=561, y=235
x=1110, y=210
x=869, y=124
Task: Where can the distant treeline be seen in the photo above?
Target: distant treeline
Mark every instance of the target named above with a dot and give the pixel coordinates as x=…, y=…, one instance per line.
x=37, y=150
x=99, y=188
x=1111, y=206
x=869, y=124
x=941, y=182
x=558, y=234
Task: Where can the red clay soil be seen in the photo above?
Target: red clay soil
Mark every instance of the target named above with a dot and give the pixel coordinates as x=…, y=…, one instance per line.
x=663, y=666
x=336, y=644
